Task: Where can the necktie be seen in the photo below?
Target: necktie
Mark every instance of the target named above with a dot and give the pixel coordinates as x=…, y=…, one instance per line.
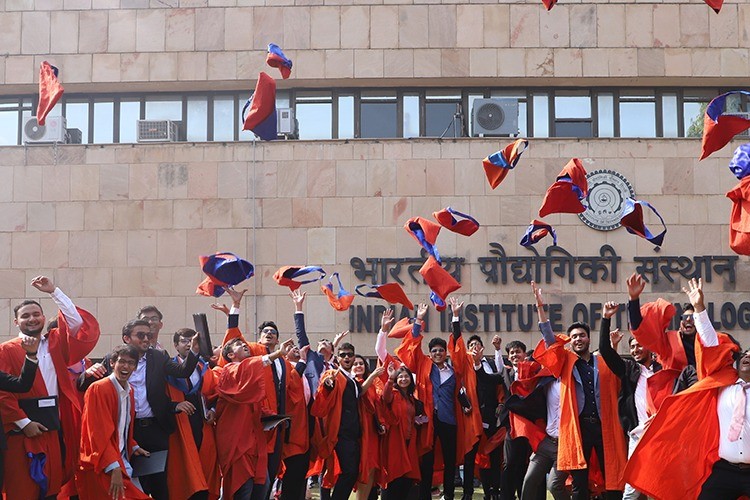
x=738, y=415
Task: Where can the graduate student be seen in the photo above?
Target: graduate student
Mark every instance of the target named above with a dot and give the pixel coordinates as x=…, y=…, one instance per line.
x=107, y=443
x=34, y=458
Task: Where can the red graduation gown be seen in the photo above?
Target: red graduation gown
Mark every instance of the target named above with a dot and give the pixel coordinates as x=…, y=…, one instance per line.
x=100, y=442
x=561, y=362
x=65, y=350
x=399, y=457
x=239, y=432
x=298, y=441
x=682, y=440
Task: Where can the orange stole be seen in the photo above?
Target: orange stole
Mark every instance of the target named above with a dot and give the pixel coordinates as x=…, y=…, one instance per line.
x=298, y=438
x=561, y=362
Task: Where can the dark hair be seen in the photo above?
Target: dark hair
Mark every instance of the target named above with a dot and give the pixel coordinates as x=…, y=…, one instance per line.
x=346, y=346
x=515, y=344
x=473, y=338
x=268, y=323
x=26, y=302
x=688, y=307
x=411, y=387
x=579, y=324
x=183, y=332
x=126, y=350
x=228, y=348
x=51, y=325
x=437, y=341
x=130, y=326
x=367, y=366
x=143, y=310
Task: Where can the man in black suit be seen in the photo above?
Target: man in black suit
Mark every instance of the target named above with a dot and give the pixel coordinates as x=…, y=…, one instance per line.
x=154, y=411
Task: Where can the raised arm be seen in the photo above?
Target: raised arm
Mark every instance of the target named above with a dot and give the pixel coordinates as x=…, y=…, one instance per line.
x=544, y=325
x=636, y=284
x=298, y=298
x=386, y=323
x=64, y=304
x=25, y=380
x=456, y=308
x=186, y=368
x=706, y=332
x=377, y=372
x=613, y=360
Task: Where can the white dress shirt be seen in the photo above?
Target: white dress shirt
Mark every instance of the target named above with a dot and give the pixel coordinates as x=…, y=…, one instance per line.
x=138, y=381
x=553, y=408
x=737, y=452
x=123, y=424
x=641, y=393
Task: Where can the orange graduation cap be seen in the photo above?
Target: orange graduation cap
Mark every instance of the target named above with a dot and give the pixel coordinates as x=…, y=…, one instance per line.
x=340, y=300
x=425, y=232
x=50, y=91
x=467, y=226
x=223, y=270
x=401, y=329
x=390, y=292
x=548, y=4
x=286, y=275
x=497, y=165
x=565, y=195
x=739, y=220
x=439, y=280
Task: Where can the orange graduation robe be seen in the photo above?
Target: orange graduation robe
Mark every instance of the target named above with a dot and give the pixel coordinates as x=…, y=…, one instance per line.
x=65, y=350
x=561, y=362
x=297, y=441
x=239, y=431
x=682, y=440
x=400, y=457
x=100, y=445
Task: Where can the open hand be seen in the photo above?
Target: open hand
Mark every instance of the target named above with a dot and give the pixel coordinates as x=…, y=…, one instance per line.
x=694, y=292
x=386, y=321
x=43, y=284
x=221, y=307
x=636, y=284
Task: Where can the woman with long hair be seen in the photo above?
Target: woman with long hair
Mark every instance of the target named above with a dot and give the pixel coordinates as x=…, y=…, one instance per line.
x=372, y=426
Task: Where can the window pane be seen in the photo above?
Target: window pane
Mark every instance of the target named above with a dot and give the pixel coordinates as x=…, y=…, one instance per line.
x=573, y=128
x=378, y=120
x=130, y=113
x=443, y=94
x=197, y=119
x=572, y=106
x=77, y=116
x=103, y=122
x=637, y=119
x=346, y=117
x=541, y=115
x=314, y=120
x=523, y=129
x=9, y=127
x=694, y=106
x=606, y=115
x=224, y=119
x=441, y=119
x=669, y=113
x=164, y=109
x=282, y=99
x=411, y=116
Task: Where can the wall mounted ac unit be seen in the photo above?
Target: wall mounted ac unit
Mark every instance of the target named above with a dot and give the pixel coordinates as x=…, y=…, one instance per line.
x=52, y=131
x=287, y=123
x=157, y=131
x=494, y=117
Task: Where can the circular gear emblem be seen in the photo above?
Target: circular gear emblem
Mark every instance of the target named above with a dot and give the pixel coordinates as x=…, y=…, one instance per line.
x=607, y=193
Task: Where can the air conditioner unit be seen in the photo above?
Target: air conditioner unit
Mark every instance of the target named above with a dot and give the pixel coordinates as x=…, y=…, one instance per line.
x=287, y=124
x=157, y=131
x=52, y=131
x=495, y=117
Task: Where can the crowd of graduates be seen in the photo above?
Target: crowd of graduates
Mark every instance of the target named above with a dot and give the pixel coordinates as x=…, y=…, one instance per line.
x=266, y=418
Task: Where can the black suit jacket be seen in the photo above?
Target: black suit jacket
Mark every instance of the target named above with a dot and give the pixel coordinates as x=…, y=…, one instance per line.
x=22, y=383
x=158, y=366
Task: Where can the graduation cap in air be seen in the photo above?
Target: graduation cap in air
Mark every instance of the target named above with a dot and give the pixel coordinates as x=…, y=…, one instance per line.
x=340, y=300
x=286, y=276
x=259, y=112
x=438, y=279
x=402, y=328
x=565, y=195
x=447, y=218
x=548, y=4
x=740, y=162
x=715, y=4
x=739, y=220
x=632, y=220
x=536, y=231
x=390, y=292
x=50, y=91
x=720, y=127
x=223, y=270
x=277, y=59
x=497, y=165
x=425, y=232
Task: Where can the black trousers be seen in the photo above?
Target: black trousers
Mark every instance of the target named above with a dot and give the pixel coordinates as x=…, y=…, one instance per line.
x=348, y=454
x=274, y=459
x=446, y=433
x=294, y=485
x=726, y=482
x=517, y=452
x=398, y=489
x=591, y=439
x=490, y=478
x=469, y=472
x=152, y=437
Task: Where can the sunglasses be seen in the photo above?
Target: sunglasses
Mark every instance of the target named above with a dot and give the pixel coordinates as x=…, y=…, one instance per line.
x=346, y=355
x=141, y=335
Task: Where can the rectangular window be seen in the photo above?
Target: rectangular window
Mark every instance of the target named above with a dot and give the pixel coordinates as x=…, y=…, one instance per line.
x=443, y=114
x=378, y=115
x=694, y=105
x=637, y=114
x=197, y=119
x=541, y=115
x=573, y=115
x=77, y=116
x=314, y=113
x=605, y=103
x=346, y=117
x=669, y=114
x=130, y=113
x=104, y=119
x=224, y=118
x=9, y=122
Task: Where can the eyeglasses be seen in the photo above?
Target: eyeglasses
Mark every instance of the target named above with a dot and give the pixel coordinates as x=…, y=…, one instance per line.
x=346, y=355
x=151, y=319
x=269, y=330
x=183, y=340
x=142, y=335
x=437, y=350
